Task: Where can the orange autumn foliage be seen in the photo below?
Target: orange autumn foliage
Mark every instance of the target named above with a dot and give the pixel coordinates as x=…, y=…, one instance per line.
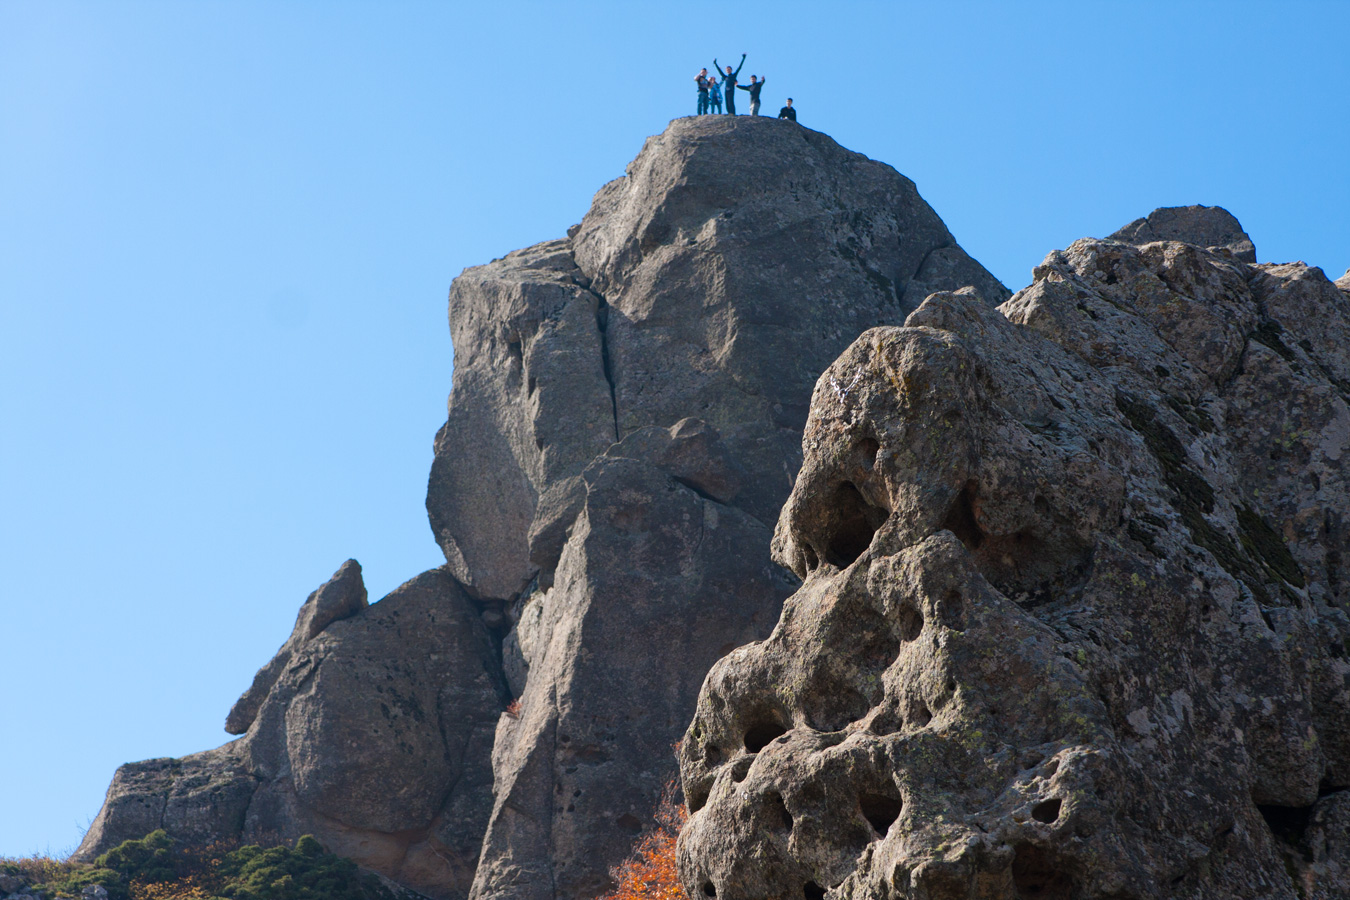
x=650, y=872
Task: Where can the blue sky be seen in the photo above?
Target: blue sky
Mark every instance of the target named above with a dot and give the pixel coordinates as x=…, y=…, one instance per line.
x=227, y=231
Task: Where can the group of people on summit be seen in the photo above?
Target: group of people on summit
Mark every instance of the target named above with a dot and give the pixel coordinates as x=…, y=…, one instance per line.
x=711, y=91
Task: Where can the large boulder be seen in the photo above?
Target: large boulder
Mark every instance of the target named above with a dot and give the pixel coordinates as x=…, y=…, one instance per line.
x=1206, y=226
x=1073, y=620
x=624, y=425
x=371, y=729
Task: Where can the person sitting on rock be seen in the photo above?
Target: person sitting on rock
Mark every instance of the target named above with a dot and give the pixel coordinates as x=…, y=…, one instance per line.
x=754, y=89
x=714, y=95
x=729, y=83
x=701, y=79
x=788, y=112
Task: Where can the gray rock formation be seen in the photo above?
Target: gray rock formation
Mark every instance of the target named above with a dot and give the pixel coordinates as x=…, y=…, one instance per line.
x=624, y=426
x=1073, y=621
x=371, y=729
x=1206, y=226
x=716, y=280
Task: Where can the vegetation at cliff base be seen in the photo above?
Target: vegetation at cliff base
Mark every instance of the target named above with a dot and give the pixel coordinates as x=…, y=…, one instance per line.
x=650, y=872
x=158, y=868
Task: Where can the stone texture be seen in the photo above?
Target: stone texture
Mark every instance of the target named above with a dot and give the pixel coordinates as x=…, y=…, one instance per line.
x=1073, y=620
x=373, y=733
x=342, y=596
x=716, y=280
x=636, y=393
x=1206, y=226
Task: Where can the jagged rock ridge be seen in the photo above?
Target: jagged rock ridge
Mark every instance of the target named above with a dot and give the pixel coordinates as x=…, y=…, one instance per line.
x=1073, y=621
x=624, y=424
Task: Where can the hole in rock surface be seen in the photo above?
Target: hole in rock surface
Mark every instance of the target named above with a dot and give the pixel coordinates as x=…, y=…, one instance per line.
x=960, y=519
x=697, y=797
x=952, y=610
x=880, y=811
x=1047, y=811
x=709, y=890
x=629, y=822
x=1288, y=823
x=1036, y=877
x=867, y=449
x=757, y=737
x=855, y=521
x=911, y=622
x=779, y=816
x=813, y=891
x=711, y=755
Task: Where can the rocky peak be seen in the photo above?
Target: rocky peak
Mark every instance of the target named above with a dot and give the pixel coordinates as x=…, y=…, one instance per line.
x=1212, y=227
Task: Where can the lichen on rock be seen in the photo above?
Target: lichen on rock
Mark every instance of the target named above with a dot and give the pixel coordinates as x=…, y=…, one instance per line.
x=1073, y=616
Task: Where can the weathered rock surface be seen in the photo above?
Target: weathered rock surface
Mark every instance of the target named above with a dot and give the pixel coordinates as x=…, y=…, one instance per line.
x=624, y=425
x=1073, y=621
x=1212, y=227
x=716, y=280
x=371, y=729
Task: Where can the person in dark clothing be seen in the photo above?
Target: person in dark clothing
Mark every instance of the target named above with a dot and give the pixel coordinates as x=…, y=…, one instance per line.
x=729, y=84
x=755, y=87
x=701, y=80
x=788, y=112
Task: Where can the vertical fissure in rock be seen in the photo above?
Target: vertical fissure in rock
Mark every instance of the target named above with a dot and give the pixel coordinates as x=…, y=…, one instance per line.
x=602, y=325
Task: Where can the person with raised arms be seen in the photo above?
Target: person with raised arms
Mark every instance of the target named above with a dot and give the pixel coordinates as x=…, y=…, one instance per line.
x=729, y=83
x=755, y=87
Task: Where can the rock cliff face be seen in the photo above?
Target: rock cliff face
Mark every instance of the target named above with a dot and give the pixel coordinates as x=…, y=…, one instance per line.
x=370, y=729
x=1073, y=621
x=637, y=392
x=624, y=425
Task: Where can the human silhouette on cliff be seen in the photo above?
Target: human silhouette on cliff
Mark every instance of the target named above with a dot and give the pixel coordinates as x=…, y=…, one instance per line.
x=729, y=83
x=754, y=89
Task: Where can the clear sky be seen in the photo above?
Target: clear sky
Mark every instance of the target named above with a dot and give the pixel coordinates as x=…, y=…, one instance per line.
x=227, y=231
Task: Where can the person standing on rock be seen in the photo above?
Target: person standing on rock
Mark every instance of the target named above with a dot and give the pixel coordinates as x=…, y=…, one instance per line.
x=729, y=83
x=715, y=96
x=788, y=112
x=754, y=89
x=701, y=80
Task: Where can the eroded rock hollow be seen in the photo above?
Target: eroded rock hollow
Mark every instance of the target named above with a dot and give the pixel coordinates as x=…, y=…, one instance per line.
x=1073, y=615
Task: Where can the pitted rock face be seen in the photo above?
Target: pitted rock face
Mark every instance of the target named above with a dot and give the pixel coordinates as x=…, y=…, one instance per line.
x=1073, y=614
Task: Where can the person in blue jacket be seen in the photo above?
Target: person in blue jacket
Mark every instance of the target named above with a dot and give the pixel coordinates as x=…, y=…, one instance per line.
x=701, y=82
x=714, y=96
x=729, y=83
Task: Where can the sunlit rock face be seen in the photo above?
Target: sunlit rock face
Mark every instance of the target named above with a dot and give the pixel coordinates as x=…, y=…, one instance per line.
x=624, y=427
x=1073, y=615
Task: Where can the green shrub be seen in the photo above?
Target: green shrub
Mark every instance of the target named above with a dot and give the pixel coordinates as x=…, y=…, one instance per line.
x=305, y=873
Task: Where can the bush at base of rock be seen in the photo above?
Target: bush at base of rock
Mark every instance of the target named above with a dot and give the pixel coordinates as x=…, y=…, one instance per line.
x=155, y=868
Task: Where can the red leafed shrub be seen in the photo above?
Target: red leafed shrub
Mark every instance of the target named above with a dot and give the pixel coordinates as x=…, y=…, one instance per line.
x=649, y=873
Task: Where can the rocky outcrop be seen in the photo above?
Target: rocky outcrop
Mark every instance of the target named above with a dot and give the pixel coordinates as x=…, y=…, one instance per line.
x=1212, y=227
x=716, y=280
x=371, y=729
x=1073, y=620
x=624, y=426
